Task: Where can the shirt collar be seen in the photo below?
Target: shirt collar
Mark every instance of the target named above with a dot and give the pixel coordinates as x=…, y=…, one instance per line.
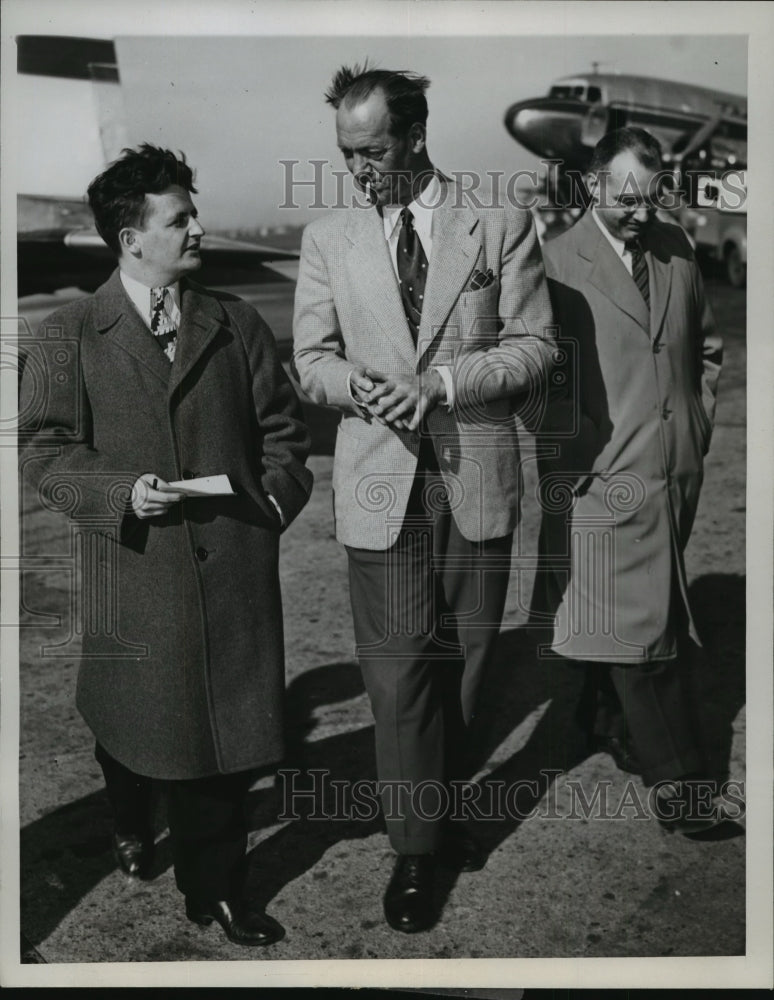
x=140, y=295
x=421, y=207
x=618, y=245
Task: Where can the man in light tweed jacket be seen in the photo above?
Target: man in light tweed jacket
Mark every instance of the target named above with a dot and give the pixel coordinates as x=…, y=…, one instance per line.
x=425, y=319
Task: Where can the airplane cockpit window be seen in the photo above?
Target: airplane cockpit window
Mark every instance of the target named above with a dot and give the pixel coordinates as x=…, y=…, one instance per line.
x=576, y=90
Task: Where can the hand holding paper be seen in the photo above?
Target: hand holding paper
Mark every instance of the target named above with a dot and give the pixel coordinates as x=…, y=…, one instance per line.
x=205, y=486
x=152, y=496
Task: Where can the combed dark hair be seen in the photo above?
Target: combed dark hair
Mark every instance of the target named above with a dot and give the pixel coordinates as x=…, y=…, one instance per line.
x=636, y=140
x=117, y=195
x=404, y=93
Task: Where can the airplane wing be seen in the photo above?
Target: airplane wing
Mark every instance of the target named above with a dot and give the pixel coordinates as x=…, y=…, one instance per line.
x=49, y=259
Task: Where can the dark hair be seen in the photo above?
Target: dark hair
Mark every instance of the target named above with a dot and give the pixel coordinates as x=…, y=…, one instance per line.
x=636, y=140
x=117, y=195
x=404, y=93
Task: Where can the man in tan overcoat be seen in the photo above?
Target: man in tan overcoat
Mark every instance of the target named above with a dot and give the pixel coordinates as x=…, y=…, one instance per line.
x=623, y=465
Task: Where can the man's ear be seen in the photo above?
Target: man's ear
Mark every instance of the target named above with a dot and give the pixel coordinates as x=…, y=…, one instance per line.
x=129, y=242
x=592, y=184
x=418, y=137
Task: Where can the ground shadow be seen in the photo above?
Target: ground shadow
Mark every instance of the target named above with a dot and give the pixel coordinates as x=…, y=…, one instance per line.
x=66, y=853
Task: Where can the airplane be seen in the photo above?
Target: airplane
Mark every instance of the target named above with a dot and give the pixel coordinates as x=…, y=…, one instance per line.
x=58, y=246
x=695, y=125
x=703, y=134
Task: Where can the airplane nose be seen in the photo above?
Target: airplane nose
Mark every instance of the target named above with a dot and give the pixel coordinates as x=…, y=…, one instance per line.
x=549, y=127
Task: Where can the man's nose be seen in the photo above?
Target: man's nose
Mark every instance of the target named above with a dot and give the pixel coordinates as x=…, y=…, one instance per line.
x=360, y=165
x=642, y=213
x=195, y=228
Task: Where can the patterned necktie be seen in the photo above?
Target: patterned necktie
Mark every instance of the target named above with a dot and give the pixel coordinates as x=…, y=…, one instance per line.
x=412, y=272
x=639, y=269
x=162, y=327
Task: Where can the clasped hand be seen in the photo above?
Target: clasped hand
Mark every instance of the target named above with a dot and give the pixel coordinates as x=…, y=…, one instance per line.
x=400, y=401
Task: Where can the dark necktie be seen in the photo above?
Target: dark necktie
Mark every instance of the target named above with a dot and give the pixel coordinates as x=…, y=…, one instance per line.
x=639, y=269
x=412, y=272
x=162, y=327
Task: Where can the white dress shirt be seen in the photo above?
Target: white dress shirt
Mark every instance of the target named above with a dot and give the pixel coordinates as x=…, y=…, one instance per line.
x=619, y=246
x=141, y=299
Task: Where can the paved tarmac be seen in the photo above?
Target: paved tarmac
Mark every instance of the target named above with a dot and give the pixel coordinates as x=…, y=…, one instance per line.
x=559, y=882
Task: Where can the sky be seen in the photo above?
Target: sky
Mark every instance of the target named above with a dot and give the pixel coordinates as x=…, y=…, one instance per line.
x=238, y=106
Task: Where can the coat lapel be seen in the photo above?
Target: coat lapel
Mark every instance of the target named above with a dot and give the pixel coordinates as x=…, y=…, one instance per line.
x=660, y=284
x=455, y=251
x=609, y=274
x=373, y=274
x=117, y=319
x=200, y=320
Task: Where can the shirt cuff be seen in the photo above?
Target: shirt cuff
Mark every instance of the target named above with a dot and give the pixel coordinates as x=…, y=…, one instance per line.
x=277, y=508
x=446, y=376
x=358, y=403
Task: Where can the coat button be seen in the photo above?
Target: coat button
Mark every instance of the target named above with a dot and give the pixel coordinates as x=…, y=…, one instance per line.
x=187, y=474
x=656, y=348
x=665, y=413
x=201, y=554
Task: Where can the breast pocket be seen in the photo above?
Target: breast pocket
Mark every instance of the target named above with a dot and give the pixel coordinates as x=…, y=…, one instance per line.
x=479, y=314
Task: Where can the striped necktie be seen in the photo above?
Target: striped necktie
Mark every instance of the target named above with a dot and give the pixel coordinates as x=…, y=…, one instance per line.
x=639, y=269
x=162, y=327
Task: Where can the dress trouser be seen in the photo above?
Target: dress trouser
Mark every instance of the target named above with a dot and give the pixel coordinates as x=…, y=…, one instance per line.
x=426, y=614
x=651, y=703
x=207, y=824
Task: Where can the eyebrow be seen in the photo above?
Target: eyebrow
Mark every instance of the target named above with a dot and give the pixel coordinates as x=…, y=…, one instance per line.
x=183, y=212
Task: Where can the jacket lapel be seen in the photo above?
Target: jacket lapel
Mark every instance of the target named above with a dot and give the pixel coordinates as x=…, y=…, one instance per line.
x=455, y=251
x=609, y=274
x=660, y=285
x=200, y=320
x=372, y=273
x=116, y=318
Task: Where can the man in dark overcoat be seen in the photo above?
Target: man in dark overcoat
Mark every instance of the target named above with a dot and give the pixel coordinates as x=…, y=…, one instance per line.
x=623, y=469
x=166, y=381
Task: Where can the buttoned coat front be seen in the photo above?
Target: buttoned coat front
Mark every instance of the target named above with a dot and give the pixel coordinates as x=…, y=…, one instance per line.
x=623, y=454
x=182, y=672
x=497, y=342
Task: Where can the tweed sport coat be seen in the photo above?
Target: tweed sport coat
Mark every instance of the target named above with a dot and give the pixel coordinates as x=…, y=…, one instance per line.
x=182, y=671
x=641, y=411
x=497, y=341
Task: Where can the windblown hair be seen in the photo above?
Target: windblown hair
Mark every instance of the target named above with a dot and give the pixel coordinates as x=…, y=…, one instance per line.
x=404, y=93
x=646, y=148
x=117, y=195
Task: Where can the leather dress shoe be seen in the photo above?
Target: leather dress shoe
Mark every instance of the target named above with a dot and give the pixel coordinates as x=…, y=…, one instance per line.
x=460, y=851
x=134, y=853
x=408, y=900
x=620, y=750
x=242, y=924
x=680, y=810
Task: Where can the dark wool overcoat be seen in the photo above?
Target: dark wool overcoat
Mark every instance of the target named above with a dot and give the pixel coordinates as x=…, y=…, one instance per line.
x=622, y=469
x=182, y=672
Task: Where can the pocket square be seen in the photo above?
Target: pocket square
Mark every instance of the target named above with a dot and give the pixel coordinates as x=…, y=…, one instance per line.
x=481, y=279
